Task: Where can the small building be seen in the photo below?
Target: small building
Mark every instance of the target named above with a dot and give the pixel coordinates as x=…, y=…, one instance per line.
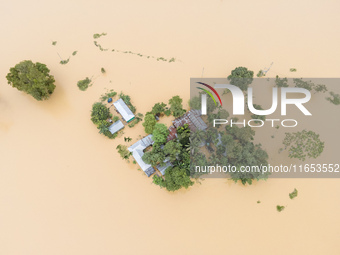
x=115, y=127
x=124, y=110
x=137, y=150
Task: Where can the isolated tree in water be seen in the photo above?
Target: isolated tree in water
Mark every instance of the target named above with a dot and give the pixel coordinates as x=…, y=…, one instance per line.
x=241, y=77
x=32, y=78
x=303, y=144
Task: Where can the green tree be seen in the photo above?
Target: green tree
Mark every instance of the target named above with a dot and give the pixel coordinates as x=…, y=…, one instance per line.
x=241, y=77
x=299, y=83
x=84, y=84
x=281, y=82
x=149, y=123
x=99, y=112
x=158, y=108
x=160, y=133
x=176, y=107
x=172, y=149
x=123, y=151
x=155, y=156
x=334, y=99
x=247, y=155
x=293, y=194
x=258, y=117
x=174, y=179
x=303, y=144
x=195, y=103
x=32, y=78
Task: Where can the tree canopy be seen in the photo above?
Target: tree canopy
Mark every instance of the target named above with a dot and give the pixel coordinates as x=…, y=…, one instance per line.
x=160, y=133
x=99, y=112
x=149, y=123
x=303, y=144
x=174, y=179
x=241, y=77
x=32, y=78
x=176, y=107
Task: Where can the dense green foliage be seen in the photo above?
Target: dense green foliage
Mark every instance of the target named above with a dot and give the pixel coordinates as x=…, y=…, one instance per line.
x=241, y=77
x=293, y=194
x=32, y=78
x=160, y=133
x=172, y=149
x=149, y=123
x=84, y=84
x=99, y=112
x=334, y=99
x=123, y=151
x=74, y=53
x=155, y=156
x=280, y=208
x=127, y=100
x=109, y=94
x=309, y=85
x=176, y=107
x=158, y=109
x=303, y=144
x=174, y=179
x=195, y=103
x=99, y=116
x=281, y=82
x=258, y=117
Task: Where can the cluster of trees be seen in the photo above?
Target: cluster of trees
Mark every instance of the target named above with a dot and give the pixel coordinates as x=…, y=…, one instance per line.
x=84, y=84
x=123, y=151
x=309, y=85
x=334, y=99
x=177, y=175
x=32, y=78
x=159, y=109
x=241, y=77
x=99, y=116
x=303, y=144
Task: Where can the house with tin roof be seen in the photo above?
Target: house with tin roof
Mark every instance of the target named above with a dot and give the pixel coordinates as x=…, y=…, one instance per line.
x=115, y=127
x=124, y=110
x=137, y=150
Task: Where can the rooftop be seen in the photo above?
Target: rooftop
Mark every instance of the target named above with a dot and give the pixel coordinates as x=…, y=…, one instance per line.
x=124, y=110
x=115, y=127
x=137, y=150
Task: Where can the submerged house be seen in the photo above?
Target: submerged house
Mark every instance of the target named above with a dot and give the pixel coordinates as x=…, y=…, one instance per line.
x=124, y=110
x=137, y=150
x=192, y=118
x=115, y=127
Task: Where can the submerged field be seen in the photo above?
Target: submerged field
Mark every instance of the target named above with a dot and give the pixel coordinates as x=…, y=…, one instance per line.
x=63, y=187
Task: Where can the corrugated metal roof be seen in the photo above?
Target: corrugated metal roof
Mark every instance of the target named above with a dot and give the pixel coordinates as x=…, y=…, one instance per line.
x=137, y=150
x=124, y=110
x=115, y=127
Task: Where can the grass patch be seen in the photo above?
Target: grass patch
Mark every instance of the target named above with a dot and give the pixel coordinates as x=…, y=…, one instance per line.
x=111, y=93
